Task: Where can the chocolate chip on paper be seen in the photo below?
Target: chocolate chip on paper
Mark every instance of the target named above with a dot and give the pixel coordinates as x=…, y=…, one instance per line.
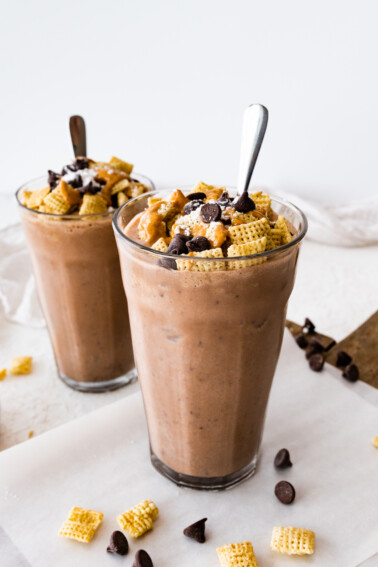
x=301, y=340
x=118, y=544
x=142, y=559
x=316, y=362
x=282, y=459
x=285, y=492
x=315, y=344
x=210, y=212
x=308, y=326
x=244, y=203
x=198, y=244
x=351, y=373
x=196, y=531
x=343, y=358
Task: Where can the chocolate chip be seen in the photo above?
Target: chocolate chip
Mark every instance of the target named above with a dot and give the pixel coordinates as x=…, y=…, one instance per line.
x=343, y=358
x=210, y=212
x=76, y=182
x=308, y=326
x=316, y=345
x=316, y=362
x=244, y=203
x=168, y=263
x=351, y=373
x=178, y=245
x=101, y=181
x=191, y=206
x=282, y=459
x=118, y=544
x=198, y=244
x=197, y=531
x=69, y=168
x=199, y=196
x=285, y=492
x=91, y=187
x=310, y=352
x=81, y=163
x=226, y=221
x=224, y=200
x=301, y=341
x=52, y=178
x=142, y=559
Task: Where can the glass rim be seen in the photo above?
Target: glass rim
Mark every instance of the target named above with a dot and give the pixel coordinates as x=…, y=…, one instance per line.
x=72, y=216
x=157, y=253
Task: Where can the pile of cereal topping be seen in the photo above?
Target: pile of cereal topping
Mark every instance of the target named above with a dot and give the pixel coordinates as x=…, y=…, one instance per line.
x=208, y=223
x=85, y=187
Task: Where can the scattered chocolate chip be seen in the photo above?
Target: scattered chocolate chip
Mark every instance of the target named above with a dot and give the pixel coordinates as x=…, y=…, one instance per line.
x=118, y=544
x=285, y=492
x=244, y=203
x=282, y=459
x=52, y=178
x=315, y=344
x=316, y=362
x=310, y=352
x=210, y=212
x=168, y=263
x=351, y=373
x=101, y=181
x=343, y=358
x=199, y=196
x=198, y=244
x=191, y=206
x=224, y=200
x=142, y=559
x=197, y=531
x=81, y=163
x=301, y=341
x=308, y=326
x=178, y=245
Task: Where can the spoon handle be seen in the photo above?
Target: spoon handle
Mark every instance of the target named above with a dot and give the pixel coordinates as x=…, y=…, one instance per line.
x=254, y=125
x=78, y=136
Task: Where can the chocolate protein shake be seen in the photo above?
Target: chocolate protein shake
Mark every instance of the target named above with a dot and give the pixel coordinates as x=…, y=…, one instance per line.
x=207, y=279
x=76, y=268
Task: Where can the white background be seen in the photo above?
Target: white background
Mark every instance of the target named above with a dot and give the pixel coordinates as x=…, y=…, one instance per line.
x=164, y=84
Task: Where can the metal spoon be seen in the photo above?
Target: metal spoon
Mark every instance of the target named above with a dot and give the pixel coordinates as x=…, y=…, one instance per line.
x=78, y=136
x=255, y=121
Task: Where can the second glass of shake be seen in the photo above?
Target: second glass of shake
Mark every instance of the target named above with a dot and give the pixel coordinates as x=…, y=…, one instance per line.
x=207, y=275
x=67, y=219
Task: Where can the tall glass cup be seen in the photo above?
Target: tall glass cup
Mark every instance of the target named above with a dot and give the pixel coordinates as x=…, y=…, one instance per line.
x=206, y=345
x=76, y=268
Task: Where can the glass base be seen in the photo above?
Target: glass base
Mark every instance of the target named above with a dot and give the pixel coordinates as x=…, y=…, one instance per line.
x=203, y=483
x=105, y=386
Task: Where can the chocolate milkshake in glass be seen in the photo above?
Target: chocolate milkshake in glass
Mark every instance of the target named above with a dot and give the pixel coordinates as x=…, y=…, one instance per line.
x=67, y=221
x=207, y=279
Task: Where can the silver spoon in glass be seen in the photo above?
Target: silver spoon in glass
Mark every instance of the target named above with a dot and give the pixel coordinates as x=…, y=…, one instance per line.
x=255, y=121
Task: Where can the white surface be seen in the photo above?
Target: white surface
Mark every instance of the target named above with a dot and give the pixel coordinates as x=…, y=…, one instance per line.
x=101, y=462
x=336, y=287
x=164, y=84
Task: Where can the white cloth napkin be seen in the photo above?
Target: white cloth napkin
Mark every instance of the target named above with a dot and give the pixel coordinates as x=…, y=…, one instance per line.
x=353, y=224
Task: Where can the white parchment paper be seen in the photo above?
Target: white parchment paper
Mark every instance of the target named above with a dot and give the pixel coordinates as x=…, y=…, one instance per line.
x=101, y=462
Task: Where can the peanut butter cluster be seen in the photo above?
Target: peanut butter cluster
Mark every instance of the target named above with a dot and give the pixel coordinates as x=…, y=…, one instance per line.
x=208, y=223
x=85, y=187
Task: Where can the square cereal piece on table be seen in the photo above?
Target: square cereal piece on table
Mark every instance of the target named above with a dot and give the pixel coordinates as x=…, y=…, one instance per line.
x=247, y=249
x=139, y=519
x=81, y=524
x=293, y=541
x=237, y=555
x=21, y=365
x=3, y=373
x=199, y=265
x=243, y=233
